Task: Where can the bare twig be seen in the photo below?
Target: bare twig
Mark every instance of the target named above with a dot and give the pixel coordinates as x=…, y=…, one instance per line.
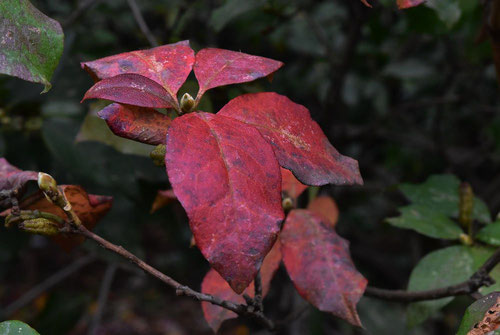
x=142, y=23
x=469, y=287
x=46, y=285
x=103, y=297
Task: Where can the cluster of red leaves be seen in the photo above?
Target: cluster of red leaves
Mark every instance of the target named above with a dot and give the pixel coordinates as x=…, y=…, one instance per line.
x=89, y=208
x=402, y=4
x=224, y=169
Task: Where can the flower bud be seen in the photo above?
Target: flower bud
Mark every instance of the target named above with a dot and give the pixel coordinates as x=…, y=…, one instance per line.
x=48, y=185
x=187, y=103
x=466, y=239
x=158, y=154
x=40, y=226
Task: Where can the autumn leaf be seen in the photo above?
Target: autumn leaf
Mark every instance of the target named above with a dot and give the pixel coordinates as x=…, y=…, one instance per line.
x=298, y=142
x=215, y=285
x=326, y=208
x=131, y=89
x=163, y=198
x=319, y=265
x=403, y=4
x=219, y=67
x=88, y=207
x=168, y=65
x=12, y=178
x=228, y=180
x=140, y=124
x=290, y=186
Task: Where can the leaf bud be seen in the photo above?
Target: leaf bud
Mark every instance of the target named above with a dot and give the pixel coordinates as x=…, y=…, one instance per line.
x=466, y=239
x=40, y=226
x=287, y=204
x=187, y=103
x=158, y=154
x=48, y=185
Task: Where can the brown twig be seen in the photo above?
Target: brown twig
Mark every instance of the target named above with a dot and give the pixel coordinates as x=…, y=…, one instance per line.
x=469, y=287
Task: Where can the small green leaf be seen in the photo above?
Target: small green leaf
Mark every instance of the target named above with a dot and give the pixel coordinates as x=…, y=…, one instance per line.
x=475, y=312
x=31, y=43
x=426, y=222
x=16, y=328
x=442, y=268
x=439, y=193
x=490, y=234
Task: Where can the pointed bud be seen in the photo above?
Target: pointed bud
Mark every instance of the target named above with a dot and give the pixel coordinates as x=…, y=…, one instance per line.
x=466, y=239
x=48, y=185
x=158, y=155
x=187, y=103
x=287, y=204
x=40, y=226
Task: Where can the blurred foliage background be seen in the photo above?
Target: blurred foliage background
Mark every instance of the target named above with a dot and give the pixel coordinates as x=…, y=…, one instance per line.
x=407, y=93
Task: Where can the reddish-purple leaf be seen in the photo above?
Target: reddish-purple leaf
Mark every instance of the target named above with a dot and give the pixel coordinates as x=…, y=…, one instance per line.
x=290, y=186
x=298, y=142
x=319, y=264
x=228, y=180
x=402, y=4
x=219, y=67
x=141, y=124
x=12, y=178
x=168, y=65
x=131, y=89
x=325, y=207
x=215, y=285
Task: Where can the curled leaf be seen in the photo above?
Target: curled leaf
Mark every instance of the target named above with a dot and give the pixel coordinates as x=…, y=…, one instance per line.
x=228, y=180
x=298, y=142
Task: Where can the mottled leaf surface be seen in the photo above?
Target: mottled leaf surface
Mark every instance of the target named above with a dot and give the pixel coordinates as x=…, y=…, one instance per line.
x=215, y=285
x=12, y=178
x=490, y=234
x=141, y=124
x=442, y=268
x=325, y=207
x=31, y=43
x=228, y=180
x=219, y=67
x=319, y=264
x=14, y=327
x=131, y=89
x=89, y=208
x=478, y=311
x=168, y=65
x=163, y=198
x=298, y=142
x=290, y=186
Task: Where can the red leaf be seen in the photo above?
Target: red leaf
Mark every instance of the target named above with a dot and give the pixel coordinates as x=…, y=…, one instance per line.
x=219, y=67
x=402, y=4
x=163, y=198
x=226, y=177
x=365, y=2
x=318, y=263
x=141, y=124
x=290, y=185
x=298, y=142
x=215, y=285
x=325, y=207
x=168, y=65
x=12, y=178
x=131, y=89
x=89, y=208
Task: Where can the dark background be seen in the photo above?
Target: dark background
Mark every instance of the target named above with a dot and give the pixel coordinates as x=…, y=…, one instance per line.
x=406, y=93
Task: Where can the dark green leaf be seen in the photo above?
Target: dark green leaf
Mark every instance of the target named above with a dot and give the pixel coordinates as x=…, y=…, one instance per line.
x=31, y=43
x=490, y=234
x=476, y=312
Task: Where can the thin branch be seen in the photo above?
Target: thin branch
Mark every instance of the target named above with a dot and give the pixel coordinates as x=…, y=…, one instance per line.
x=103, y=297
x=180, y=289
x=142, y=23
x=469, y=287
x=46, y=285
x=258, y=292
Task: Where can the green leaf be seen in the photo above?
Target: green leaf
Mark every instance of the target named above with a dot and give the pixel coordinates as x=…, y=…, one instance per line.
x=31, y=43
x=426, y=222
x=448, y=11
x=490, y=234
x=442, y=268
x=475, y=312
x=16, y=328
x=440, y=193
